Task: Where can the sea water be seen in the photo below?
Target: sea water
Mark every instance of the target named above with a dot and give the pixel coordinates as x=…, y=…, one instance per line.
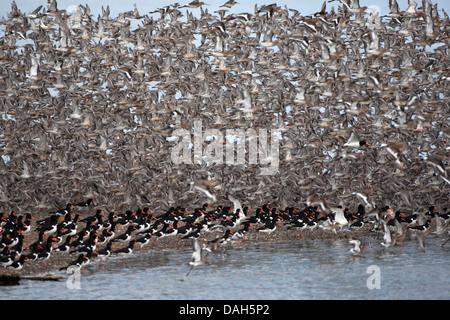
x=274, y=270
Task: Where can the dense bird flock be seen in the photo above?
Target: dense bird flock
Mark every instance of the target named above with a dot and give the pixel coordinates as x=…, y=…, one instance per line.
x=88, y=102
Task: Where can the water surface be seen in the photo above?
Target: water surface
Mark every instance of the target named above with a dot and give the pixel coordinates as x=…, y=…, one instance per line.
x=313, y=269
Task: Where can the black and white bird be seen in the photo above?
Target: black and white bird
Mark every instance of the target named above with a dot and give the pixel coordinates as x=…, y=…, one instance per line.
x=18, y=264
x=124, y=237
x=75, y=265
x=421, y=228
x=126, y=250
x=105, y=252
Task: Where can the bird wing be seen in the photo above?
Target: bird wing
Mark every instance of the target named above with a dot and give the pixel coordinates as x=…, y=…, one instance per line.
x=387, y=233
x=354, y=139
x=440, y=224
x=362, y=196
x=339, y=217
x=398, y=227
x=197, y=253
x=236, y=203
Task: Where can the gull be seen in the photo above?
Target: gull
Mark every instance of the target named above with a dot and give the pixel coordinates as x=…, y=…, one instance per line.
x=197, y=259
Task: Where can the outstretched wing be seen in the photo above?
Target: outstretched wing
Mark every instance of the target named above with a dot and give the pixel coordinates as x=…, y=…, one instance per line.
x=236, y=203
x=387, y=233
x=197, y=253
x=355, y=242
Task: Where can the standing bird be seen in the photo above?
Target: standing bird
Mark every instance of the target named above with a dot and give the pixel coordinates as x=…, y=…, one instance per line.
x=126, y=250
x=124, y=236
x=75, y=265
x=18, y=264
x=105, y=252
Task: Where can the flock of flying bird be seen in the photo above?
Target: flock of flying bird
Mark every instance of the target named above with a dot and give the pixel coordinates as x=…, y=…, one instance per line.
x=101, y=235
x=88, y=103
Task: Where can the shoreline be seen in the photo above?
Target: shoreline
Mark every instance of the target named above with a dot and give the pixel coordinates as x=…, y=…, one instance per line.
x=49, y=269
x=61, y=259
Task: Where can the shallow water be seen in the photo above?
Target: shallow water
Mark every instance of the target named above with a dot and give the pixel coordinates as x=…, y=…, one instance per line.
x=312, y=269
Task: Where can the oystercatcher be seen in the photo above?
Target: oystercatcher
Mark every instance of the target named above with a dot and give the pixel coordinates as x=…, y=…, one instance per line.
x=126, y=250
x=421, y=228
x=65, y=246
x=8, y=259
x=86, y=203
x=75, y=265
x=18, y=264
x=124, y=236
x=105, y=252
